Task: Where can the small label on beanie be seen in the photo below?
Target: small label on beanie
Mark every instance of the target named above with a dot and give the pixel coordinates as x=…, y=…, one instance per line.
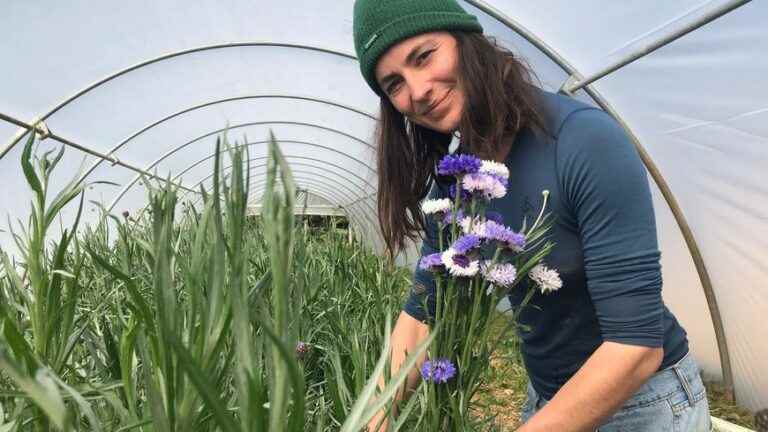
x=370, y=41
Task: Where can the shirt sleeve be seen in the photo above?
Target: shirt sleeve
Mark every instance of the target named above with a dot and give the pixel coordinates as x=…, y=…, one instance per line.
x=423, y=288
x=606, y=187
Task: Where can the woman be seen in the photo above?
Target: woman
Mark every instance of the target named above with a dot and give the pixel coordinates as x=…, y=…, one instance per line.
x=603, y=352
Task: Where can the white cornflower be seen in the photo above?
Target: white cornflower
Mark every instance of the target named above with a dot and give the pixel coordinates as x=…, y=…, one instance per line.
x=458, y=264
x=495, y=168
x=484, y=185
x=436, y=206
x=502, y=275
x=546, y=278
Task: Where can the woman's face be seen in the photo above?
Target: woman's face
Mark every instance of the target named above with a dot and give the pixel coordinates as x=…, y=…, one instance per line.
x=420, y=77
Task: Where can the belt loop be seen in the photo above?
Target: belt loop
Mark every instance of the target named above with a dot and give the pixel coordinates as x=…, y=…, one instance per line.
x=684, y=382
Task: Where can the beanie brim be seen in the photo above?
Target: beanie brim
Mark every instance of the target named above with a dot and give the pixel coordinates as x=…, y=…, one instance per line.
x=405, y=27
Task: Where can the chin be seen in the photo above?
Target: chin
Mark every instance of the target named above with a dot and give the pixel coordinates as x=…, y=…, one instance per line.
x=450, y=124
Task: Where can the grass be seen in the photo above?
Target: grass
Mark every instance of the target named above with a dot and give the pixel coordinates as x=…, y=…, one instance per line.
x=721, y=407
x=189, y=319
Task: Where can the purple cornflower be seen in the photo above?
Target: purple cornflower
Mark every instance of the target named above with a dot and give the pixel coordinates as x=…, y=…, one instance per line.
x=449, y=217
x=432, y=262
x=302, y=348
x=465, y=195
x=494, y=217
x=505, y=236
x=438, y=371
x=457, y=165
x=503, y=180
x=466, y=243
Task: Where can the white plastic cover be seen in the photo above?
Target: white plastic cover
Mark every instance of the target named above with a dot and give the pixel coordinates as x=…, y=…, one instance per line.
x=153, y=82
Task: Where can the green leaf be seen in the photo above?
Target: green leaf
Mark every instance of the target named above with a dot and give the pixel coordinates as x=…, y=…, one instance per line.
x=204, y=388
x=84, y=406
x=41, y=389
x=27, y=167
x=296, y=422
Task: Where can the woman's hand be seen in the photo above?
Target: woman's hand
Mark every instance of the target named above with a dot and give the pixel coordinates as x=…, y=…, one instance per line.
x=378, y=420
x=406, y=337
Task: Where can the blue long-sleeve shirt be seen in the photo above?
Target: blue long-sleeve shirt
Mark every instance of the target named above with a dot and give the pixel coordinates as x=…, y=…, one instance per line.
x=605, y=244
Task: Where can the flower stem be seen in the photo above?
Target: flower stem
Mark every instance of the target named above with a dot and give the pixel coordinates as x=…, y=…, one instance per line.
x=545, y=193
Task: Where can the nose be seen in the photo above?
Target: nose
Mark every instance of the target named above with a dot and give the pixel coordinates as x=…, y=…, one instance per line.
x=421, y=92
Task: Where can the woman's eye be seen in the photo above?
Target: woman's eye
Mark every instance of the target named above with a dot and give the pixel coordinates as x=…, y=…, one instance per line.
x=425, y=55
x=393, y=87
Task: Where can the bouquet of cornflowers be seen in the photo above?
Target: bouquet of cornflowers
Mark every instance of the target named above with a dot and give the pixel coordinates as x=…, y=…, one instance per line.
x=481, y=261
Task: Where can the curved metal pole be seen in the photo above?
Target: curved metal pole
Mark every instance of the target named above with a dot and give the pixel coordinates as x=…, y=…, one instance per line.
x=220, y=101
x=331, y=195
x=303, y=198
x=286, y=156
x=351, y=193
x=289, y=157
x=250, y=180
x=345, y=184
x=575, y=83
x=278, y=122
x=164, y=57
x=40, y=129
x=252, y=167
x=677, y=212
x=369, y=221
x=364, y=218
x=332, y=189
x=362, y=198
x=174, y=150
x=293, y=171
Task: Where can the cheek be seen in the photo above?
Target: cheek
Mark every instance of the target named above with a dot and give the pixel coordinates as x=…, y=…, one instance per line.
x=459, y=100
x=400, y=102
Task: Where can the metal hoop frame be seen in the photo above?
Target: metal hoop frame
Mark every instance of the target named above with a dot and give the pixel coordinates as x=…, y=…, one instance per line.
x=576, y=81
x=179, y=113
x=174, y=150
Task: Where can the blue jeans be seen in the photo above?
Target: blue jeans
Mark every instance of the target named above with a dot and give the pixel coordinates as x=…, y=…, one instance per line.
x=673, y=399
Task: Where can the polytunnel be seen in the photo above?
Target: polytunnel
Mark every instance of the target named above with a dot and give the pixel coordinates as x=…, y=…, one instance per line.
x=144, y=87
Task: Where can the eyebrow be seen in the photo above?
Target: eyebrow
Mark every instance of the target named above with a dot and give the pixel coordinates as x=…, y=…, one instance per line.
x=408, y=60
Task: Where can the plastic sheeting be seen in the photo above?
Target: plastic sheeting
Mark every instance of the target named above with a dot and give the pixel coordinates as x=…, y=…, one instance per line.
x=152, y=83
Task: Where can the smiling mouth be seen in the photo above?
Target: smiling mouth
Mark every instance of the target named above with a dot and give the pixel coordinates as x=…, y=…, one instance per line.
x=436, y=104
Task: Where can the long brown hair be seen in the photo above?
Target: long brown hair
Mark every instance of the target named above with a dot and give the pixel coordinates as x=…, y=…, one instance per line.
x=500, y=102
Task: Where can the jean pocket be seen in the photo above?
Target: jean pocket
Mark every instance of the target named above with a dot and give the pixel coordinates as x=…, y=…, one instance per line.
x=680, y=401
x=690, y=393
x=693, y=417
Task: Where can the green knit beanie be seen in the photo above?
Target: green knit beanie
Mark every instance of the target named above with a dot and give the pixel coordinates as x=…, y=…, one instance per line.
x=379, y=24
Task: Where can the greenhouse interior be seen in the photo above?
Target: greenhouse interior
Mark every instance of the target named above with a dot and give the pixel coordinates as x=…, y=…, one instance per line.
x=191, y=234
